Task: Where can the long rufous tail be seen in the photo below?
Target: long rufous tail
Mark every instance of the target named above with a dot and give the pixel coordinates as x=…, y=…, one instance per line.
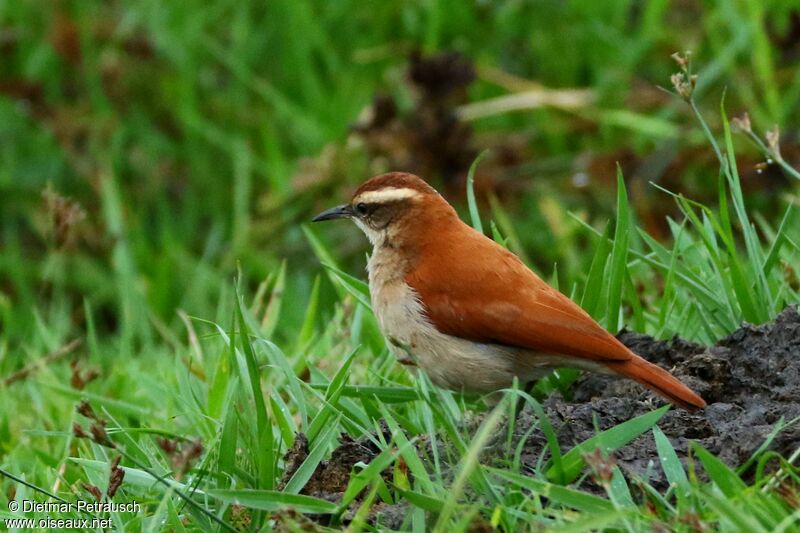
x=659, y=381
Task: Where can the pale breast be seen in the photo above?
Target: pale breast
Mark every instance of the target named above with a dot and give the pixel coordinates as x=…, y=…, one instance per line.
x=450, y=362
x=400, y=314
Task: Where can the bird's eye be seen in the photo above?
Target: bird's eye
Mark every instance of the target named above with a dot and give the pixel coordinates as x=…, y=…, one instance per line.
x=361, y=208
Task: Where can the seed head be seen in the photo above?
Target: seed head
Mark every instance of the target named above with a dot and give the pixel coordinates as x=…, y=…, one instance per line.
x=742, y=123
x=115, y=477
x=683, y=60
x=683, y=86
x=78, y=432
x=773, y=141
x=86, y=410
x=65, y=217
x=100, y=436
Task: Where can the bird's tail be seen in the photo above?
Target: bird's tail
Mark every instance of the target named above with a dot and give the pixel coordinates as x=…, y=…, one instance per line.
x=659, y=381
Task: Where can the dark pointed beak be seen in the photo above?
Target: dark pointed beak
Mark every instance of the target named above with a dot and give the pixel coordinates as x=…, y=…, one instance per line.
x=340, y=211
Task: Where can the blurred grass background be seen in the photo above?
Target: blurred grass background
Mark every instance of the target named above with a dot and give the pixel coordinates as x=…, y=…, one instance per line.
x=197, y=136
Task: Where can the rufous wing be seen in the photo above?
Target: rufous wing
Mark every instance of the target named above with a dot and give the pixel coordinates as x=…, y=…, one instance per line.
x=473, y=288
x=470, y=287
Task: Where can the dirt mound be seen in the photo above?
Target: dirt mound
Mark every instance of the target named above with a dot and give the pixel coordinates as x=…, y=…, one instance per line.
x=329, y=481
x=331, y=477
x=750, y=379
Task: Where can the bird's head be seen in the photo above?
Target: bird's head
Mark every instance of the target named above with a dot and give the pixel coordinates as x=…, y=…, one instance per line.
x=391, y=207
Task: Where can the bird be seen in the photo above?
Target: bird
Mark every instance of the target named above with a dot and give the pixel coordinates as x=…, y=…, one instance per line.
x=469, y=312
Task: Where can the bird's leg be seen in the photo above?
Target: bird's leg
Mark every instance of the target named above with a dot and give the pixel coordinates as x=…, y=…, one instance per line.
x=409, y=360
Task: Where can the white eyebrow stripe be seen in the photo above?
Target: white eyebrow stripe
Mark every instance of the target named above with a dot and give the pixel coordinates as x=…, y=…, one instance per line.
x=385, y=195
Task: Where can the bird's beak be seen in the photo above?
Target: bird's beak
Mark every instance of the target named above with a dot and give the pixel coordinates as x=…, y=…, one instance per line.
x=340, y=211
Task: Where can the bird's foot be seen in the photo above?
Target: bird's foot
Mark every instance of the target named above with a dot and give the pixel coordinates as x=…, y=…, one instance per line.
x=408, y=359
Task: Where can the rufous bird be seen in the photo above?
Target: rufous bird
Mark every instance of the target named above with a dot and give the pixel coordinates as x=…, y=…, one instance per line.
x=472, y=314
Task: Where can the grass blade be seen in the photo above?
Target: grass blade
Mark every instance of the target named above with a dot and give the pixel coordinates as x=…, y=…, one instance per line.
x=619, y=256
x=471, y=202
x=607, y=441
x=273, y=500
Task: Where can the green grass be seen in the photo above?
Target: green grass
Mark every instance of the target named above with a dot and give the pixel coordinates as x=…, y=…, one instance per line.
x=210, y=311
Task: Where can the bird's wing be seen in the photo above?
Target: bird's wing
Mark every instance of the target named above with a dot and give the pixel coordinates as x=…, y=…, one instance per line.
x=475, y=289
